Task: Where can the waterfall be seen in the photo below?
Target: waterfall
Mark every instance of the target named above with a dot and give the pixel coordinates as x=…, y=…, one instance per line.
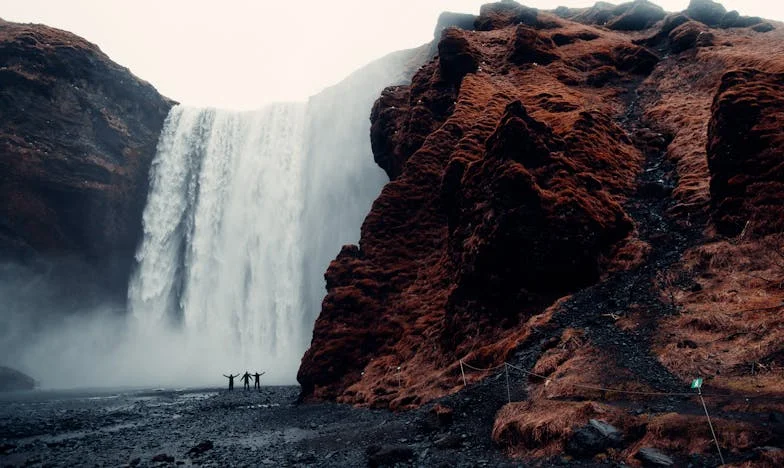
x=221, y=256
x=244, y=213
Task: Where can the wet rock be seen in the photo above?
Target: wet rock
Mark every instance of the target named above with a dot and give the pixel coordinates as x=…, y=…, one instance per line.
x=388, y=455
x=650, y=457
x=201, y=448
x=163, y=458
x=596, y=437
x=706, y=11
x=135, y=461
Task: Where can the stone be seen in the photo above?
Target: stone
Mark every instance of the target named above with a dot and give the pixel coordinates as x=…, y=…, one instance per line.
x=593, y=438
x=651, y=457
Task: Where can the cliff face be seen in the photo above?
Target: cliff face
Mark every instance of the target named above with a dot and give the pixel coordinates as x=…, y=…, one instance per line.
x=77, y=137
x=560, y=182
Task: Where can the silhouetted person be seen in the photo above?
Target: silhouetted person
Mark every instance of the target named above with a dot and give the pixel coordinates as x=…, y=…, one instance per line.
x=231, y=380
x=246, y=380
x=256, y=383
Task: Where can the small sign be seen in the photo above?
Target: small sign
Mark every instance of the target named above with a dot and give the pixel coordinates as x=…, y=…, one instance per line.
x=696, y=383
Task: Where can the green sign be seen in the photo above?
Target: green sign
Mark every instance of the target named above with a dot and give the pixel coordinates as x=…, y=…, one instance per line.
x=696, y=383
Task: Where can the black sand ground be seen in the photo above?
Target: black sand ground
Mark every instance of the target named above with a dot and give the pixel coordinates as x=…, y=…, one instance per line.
x=267, y=428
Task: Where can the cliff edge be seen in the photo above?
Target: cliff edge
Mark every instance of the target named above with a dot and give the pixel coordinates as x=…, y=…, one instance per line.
x=77, y=138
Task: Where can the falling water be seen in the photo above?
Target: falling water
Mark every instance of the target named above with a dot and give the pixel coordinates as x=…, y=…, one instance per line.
x=221, y=256
x=244, y=213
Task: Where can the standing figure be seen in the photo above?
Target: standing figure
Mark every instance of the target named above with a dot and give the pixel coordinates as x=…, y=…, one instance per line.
x=256, y=383
x=231, y=380
x=246, y=380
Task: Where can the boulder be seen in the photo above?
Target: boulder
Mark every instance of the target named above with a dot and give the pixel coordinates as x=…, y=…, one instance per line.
x=593, y=438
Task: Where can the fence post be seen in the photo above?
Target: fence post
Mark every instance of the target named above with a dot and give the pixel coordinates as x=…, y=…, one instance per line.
x=721, y=457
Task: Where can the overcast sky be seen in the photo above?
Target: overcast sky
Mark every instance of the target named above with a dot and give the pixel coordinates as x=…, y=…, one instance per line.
x=243, y=53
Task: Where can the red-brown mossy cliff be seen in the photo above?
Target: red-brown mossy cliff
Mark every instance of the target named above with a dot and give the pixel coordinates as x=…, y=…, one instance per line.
x=509, y=170
x=520, y=225
x=77, y=136
x=746, y=152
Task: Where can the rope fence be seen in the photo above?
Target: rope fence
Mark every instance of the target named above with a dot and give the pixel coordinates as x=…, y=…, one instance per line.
x=547, y=380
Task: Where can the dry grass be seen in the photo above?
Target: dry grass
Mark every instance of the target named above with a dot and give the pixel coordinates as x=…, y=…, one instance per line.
x=541, y=428
x=731, y=328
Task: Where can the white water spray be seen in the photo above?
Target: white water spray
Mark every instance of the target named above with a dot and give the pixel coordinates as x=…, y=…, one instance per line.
x=221, y=258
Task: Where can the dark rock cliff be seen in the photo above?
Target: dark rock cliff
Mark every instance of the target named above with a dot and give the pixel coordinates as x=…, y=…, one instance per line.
x=77, y=136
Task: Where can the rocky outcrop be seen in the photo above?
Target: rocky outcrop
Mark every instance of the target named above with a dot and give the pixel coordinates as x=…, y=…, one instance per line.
x=706, y=11
x=13, y=380
x=745, y=144
x=630, y=16
x=689, y=36
x=77, y=137
x=505, y=195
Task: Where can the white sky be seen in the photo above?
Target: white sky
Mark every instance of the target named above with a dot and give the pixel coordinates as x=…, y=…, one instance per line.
x=242, y=53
